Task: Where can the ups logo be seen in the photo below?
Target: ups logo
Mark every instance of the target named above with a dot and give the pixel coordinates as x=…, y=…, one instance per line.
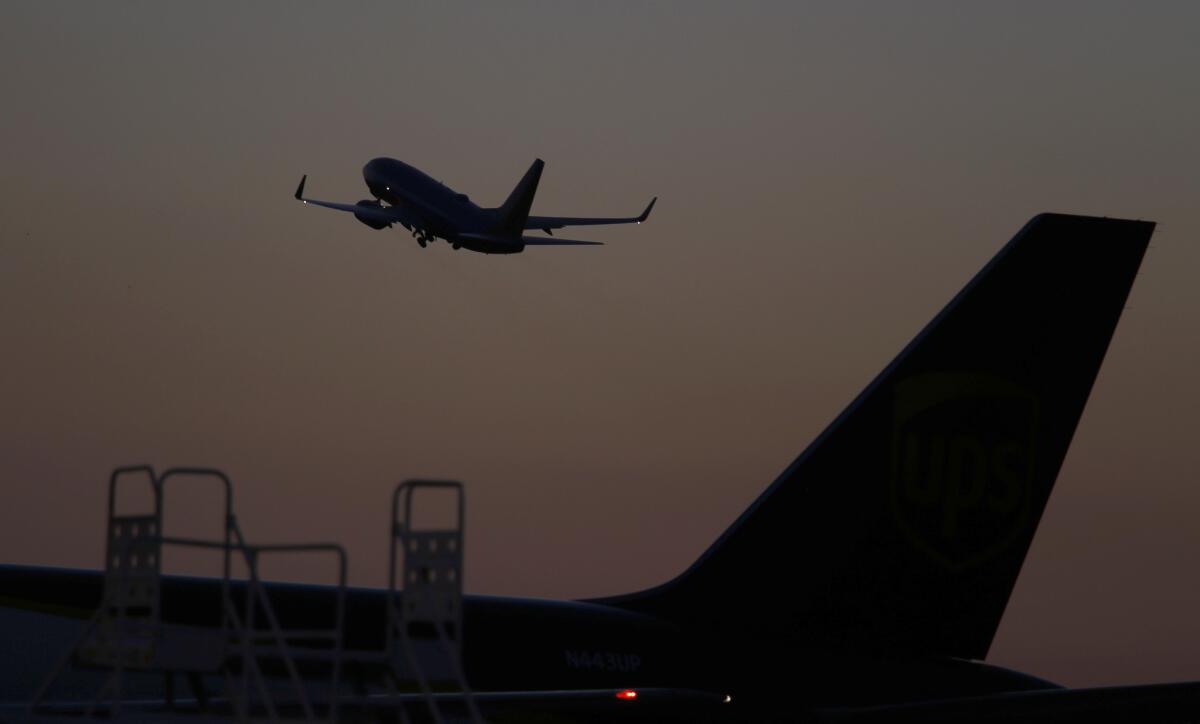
x=962, y=464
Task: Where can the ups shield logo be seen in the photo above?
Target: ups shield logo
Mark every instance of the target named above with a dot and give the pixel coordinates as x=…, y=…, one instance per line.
x=962, y=464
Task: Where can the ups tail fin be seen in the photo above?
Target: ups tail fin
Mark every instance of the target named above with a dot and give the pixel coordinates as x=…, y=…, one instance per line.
x=903, y=526
x=511, y=216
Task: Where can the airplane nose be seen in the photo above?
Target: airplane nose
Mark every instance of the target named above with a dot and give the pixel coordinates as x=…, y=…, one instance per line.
x=372, y=176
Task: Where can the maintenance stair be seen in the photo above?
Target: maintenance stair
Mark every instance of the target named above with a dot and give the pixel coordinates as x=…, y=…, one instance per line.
x=241, y=663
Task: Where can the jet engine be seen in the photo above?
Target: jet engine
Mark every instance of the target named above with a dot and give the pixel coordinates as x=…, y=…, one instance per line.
x=370, y=221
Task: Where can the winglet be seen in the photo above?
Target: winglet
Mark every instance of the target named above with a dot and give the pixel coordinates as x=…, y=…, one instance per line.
x=640, y=219
x=300, y=188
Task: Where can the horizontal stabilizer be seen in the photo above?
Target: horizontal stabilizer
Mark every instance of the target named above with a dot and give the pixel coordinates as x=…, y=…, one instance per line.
x=543, y=241
x=526, y=240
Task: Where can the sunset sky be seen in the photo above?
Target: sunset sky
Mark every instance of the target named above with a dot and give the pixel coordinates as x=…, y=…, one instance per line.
x=829, y=175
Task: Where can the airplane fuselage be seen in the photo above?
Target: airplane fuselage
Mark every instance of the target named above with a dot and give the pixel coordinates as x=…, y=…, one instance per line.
x=524, y=644
x=432, y=206
x=431, y=210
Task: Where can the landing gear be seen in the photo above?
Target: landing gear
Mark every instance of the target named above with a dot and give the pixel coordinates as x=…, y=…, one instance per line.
x=422, y=236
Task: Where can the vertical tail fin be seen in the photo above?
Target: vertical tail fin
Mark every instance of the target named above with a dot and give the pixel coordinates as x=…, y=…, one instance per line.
x=511, y=216
x=904, y=525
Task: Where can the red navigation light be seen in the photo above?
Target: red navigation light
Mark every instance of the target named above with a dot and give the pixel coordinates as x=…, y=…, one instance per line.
x=627, y=694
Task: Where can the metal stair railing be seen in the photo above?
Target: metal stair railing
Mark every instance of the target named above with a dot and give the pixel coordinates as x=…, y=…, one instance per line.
x=127, y=631
x=124, y=630
x=429, y=563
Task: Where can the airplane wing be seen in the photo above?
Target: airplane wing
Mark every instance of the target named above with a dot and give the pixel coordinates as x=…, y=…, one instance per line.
x=380, y=214
x=546, y=223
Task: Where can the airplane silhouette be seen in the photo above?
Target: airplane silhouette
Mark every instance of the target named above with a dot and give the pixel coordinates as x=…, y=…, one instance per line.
x=431, y=210
x=866, y=583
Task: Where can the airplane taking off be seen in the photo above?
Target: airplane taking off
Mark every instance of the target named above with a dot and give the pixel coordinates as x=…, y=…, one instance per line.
x=865, y=584
x=431, y=210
